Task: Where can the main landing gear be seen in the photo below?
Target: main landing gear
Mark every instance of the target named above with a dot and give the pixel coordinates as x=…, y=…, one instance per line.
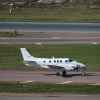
x=63, y=73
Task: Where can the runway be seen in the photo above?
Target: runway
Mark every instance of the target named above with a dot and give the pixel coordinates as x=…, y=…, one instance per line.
x=51, y=33
x=48, y=96
x=52, y=38
x=51, y=27
x=92, y=78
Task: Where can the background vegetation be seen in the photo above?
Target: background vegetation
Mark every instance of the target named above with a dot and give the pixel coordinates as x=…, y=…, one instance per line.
x=68, y=10
x=51, y=14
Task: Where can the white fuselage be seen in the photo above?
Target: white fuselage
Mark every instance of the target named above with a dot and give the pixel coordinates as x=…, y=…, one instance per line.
x=58, y=63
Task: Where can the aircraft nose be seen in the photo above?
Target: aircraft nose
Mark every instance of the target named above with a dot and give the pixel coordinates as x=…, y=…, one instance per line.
x=81, y=65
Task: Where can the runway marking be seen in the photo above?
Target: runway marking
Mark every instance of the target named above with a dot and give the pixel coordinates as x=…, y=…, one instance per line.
x=94, y=43
x=23, y=82
x=66, y=82
x=38, y=43
x=95, y=84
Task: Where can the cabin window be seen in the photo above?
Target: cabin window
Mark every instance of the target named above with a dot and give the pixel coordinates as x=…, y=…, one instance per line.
x=60, y=61
x=44, y=61
x=49, y=61
x=54, y=61
x=57, y=61
x=65, y=60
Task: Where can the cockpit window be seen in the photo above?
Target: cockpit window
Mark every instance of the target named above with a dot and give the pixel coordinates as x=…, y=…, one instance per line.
x=70, y=60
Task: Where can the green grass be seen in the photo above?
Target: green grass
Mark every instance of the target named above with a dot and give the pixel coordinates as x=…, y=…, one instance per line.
x=10, y=56
x=40, y=87
x=51, y=14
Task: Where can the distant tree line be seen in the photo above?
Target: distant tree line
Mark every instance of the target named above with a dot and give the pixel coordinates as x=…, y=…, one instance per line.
x=37, y=3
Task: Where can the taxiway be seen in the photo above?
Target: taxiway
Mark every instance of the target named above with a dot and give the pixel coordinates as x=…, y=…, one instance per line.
x=92, y=78
x=48, y=96
x=52, y=38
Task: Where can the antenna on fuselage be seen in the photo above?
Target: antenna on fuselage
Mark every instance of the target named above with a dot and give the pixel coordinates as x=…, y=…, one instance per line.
x=53, y=57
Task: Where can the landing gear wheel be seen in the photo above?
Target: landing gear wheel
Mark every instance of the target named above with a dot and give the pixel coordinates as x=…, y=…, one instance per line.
x=58, y=73
x=64, y=73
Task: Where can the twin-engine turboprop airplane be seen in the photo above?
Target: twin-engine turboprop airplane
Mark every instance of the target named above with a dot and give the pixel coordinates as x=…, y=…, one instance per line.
x=62, y=65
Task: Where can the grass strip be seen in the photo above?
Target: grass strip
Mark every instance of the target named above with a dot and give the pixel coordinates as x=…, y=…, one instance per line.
x=41, y=87
x=52, y=14
x=10, y=56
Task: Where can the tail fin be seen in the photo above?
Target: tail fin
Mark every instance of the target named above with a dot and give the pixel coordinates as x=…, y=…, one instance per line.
x=25, y=54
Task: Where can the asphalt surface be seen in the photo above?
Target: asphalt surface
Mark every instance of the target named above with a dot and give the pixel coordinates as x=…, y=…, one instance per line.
x=51, y=33
x=92, y=78
x=51, y=27
x=47, y=96
x=51, y=38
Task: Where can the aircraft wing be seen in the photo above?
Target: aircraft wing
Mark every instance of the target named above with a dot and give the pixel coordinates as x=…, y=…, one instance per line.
x=61, y=67
x=55, y=67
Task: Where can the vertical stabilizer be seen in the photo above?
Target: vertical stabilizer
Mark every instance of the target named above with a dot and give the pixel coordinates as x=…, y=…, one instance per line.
x=25, y=54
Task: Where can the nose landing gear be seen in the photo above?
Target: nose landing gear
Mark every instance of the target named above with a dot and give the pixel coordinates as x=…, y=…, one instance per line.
x=83, y=71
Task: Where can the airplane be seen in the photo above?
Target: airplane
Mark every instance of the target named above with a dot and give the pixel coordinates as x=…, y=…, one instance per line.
x=61, y=65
